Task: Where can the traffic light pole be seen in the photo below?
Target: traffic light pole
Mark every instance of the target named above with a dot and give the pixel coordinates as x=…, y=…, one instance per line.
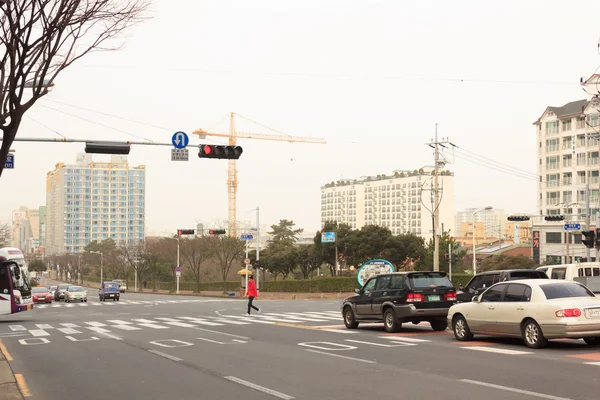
x=588, y=216
x=177, y=274
x=257, y=247
x=450, y=260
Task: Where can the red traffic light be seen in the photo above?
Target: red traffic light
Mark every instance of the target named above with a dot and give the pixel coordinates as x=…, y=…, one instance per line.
x=179, y=232
x=208, y=150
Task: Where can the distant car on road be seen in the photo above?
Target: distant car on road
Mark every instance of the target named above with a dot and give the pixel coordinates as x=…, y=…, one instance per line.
x=60, y=291
x=53, y=290
x=122, y=285
x=484, y=280
x=75, y=293
x=109, y=290
x=41, y=295
x=401, y=297
x=533, y=309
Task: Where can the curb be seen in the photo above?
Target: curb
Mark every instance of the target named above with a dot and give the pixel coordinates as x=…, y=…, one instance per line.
x=9, y=386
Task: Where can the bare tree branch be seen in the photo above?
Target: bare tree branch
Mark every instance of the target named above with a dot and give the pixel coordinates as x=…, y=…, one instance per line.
x=40, y=38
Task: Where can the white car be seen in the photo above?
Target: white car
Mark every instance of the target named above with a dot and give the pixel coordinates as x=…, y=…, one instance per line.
x=75, y=293
x=533, y=309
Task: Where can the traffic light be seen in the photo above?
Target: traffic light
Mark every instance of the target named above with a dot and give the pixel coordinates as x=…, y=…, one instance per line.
x=185, y=232
x=454, y=257
x=518, y=218
x=446, y=256
x=216, y=231
x=107, y=148
x=554, y=217
x=221, y=152
x=597, y=241
x=590, y=239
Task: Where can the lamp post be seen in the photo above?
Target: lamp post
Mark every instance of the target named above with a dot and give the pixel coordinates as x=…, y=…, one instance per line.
x=101, y=265
x=176, y=274
x=474, y=241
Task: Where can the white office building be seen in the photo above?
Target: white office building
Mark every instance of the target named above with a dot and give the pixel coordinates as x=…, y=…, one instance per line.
x=494, y=221
x=401, y=201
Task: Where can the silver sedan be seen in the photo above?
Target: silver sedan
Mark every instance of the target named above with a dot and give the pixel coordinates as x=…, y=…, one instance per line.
x=534, y=309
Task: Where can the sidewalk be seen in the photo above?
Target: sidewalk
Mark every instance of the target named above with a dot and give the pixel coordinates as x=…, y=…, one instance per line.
x=262, y=295
x=9, y=390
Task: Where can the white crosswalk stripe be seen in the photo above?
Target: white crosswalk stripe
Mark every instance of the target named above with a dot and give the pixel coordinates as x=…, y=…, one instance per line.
x=202, y=321
x=68, y=331
x=44, y=326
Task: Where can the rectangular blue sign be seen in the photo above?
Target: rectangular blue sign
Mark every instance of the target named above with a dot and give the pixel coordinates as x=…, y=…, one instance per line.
x=246, y=237
x=328, y=237
x=10, y=161
x=572, y=227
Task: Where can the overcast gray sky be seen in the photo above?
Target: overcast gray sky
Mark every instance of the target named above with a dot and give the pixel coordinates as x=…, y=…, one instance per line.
x=371, y=77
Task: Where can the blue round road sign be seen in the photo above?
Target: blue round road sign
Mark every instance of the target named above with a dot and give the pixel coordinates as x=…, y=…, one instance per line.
x=178, y=269
x=180, y=140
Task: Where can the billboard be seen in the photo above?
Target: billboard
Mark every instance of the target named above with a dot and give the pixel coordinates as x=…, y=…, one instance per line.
x=373, y=268
x=328, y=237
x=536, y=247
x=18, y=216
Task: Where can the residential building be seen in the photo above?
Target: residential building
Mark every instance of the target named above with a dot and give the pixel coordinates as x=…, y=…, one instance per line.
x=568, y=159
x=401, y=201
x=493, y=221
x=26, y=229
x=42, y=235
x=92, y=201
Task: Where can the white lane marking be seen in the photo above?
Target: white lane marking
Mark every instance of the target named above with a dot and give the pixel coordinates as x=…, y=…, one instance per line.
x=330, y=347
x=404, y=339
x=145, y=321
x=201, y=321
x=338, y=331
x=69, y=305
x=41, y=306
x=154, y=326
x=324, y=316
x=96, y=304
x=95, y=323
x=44, y=326
x=495, y=350
x=398, y=344
x=83, y=304
x=515, y=390
x=70, y=325
x=267, y=318
x=28, y=341
x=222, y=333
x=250, y=319
x=105, y=332
x=68, y=331
x=263, y=389
x=239, y=341
x=38, y=332
x=72, y=339
x=181, y=324
x=16, y=328
x=118, y=322
x=305, y=317
x=210, y=340
x=168, y=319
x=230, y=321
x=126, y=327
x=180, y=343
x=340, y=356
x=165, y=355
x=11, y=334
x=593, y=363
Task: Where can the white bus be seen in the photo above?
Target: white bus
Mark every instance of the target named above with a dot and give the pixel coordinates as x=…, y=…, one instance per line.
x=15, y=286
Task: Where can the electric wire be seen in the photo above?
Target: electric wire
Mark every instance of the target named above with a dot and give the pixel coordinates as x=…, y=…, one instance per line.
x=45, y=126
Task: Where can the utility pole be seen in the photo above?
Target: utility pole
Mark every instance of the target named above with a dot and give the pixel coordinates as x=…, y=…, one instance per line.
x=588, y=216
x=257, y=247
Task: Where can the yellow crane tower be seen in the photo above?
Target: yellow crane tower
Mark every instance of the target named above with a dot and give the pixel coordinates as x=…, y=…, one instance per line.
x=232, y=181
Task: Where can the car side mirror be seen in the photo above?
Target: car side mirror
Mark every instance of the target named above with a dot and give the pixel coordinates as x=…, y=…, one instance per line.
x=461, y=287
x=367, y=293
x=357, y=291
x=475, y=299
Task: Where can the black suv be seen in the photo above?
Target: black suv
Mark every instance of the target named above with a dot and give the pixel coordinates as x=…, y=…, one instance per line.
x=401, y=297
x=484, y=280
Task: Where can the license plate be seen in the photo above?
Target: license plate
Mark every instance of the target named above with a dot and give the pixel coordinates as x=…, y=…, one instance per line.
x=435, y=297
x=594, y=313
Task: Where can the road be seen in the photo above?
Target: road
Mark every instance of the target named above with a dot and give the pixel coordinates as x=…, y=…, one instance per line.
x=158, y=346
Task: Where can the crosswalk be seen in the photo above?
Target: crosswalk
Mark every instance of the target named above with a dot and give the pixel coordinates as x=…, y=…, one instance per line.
x=111, y=326
x=122, y=303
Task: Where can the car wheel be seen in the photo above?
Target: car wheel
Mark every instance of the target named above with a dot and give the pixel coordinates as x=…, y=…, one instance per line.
x=349, y=319
x=461, y=329
x=118, y=299
x=592, y=341
x=390, y=322
x=439, y=325
x=533, y=336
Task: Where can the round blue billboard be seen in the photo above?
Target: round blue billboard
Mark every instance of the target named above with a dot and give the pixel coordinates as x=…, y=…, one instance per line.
x=373, y=268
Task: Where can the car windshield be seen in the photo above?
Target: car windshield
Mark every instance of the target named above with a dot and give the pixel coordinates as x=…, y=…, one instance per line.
x=429, y=279
x=52, y=287
x=111, y=285
x=565, y=290
x=40, y=290
x=527, y=275
x=75, y=289
x=63, y=286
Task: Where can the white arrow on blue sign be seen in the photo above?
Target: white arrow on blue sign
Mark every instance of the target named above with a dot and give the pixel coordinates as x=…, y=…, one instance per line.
x=572, y=227
x=180, y=140
x=246, y=237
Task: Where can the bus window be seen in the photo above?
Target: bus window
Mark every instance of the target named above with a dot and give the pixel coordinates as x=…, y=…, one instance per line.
x=580, y=272
x=588, y=272
x=596, y=271
x=4, y=282
x=559, y=273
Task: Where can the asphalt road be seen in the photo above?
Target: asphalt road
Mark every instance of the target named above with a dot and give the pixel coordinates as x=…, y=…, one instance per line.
x=158, y=346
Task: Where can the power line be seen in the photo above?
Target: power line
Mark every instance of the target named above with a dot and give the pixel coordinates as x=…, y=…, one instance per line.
x=45, y=126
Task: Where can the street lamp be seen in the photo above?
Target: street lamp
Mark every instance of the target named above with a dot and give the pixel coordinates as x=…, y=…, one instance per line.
x=176, y=276
x=101, y=265
x=488, y=208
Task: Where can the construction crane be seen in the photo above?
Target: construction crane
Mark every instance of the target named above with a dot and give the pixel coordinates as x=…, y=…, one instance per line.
x=232, y=182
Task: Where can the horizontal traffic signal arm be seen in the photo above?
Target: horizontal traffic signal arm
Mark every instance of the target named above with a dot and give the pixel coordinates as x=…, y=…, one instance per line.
x=185, y=231
x=220, y=152
x=216, y=231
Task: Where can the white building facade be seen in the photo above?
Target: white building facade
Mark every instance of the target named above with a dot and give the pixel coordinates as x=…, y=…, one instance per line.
x=92, y=201
x=494, y=221
x=402, y=202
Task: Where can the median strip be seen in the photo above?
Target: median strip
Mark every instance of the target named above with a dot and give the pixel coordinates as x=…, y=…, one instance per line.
x=5, y=352
x=22, y=383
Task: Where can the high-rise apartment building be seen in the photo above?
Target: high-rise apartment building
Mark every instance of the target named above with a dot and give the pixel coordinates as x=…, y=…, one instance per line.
x=26, y=229
x=401, y=201
x=494, y=222
x=92, y=201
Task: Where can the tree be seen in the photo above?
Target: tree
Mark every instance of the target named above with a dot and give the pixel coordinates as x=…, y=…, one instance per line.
x=4, y=234
x=326, y=251
x=284, y=232
x=41, y=38
x=112, y=258
x=227, y=249
x=405, y=249
x=366, y=244
x=132, y=256
x=307, y=258
x=155, y=257
x=195, y=252
x=426, y=263
x=37, y=266
x=506, y=262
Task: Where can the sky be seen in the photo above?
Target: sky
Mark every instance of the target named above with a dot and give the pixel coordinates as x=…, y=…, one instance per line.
x=372, y=77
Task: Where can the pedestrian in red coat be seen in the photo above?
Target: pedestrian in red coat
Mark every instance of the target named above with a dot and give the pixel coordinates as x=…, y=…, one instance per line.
x=252, y=293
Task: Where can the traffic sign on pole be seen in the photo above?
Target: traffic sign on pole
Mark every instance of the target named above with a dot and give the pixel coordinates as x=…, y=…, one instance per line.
x=245, y=236
x=178, y=269
x=180, y=140
x=10, y=161
x=180, y=155
x=572, y=227
x=246, y=261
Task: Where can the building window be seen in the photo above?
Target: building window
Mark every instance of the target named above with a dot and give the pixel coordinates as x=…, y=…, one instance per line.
x=566, y=125
x=552, y=162
x=593, y=120
x=553, y=237
x=567, y=160
x=552, y=145
x=567, y=178
x=593, y=158
x=552, y=128
x=580, y=140
x=552, y=180
x=567, y=197
x=552, y=198
x=580, y=177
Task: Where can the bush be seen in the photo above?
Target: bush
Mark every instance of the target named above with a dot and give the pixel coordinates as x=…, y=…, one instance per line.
x=33, y=282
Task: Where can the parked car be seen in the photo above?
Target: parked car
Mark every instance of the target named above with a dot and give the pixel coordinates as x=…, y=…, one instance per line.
x=60, y=291
x=534, y=309
x=75, y=293
x=484, y=280
x=109, y=290
x=401, y=297
x=122, y=285
x=41, y=295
